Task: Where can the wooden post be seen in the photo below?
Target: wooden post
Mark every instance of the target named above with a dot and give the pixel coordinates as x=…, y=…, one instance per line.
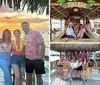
x=61, y=24
x=66, y=53
x=50, y=29
x=60, y=54
x=65, y=25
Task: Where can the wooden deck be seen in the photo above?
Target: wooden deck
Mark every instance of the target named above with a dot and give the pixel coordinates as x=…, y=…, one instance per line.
x=44, y=76
x=59, y=34
x=74, y=40
x=58, y=81
x=93, y=79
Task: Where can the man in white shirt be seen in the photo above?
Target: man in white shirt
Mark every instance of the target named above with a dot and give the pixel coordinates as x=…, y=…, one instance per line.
x=69, y=32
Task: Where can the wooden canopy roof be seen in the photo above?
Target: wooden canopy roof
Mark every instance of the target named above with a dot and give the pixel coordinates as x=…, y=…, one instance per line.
x=77, y=47
x=67, y=9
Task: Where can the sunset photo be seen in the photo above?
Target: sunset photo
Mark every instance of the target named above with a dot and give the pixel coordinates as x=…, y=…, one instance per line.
x=10, y=19
x=12, y=15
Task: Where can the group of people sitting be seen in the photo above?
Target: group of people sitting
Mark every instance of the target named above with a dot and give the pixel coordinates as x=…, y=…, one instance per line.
x=74, y=30
x=73, y=65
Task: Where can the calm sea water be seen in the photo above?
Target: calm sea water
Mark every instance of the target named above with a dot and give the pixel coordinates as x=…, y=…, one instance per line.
x=54, y=56
x=46, y=40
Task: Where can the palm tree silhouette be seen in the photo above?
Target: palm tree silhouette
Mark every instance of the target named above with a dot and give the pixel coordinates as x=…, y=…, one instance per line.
x=32, y=5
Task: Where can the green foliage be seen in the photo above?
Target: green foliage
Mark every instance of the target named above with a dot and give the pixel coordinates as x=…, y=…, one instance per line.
x=32, y=5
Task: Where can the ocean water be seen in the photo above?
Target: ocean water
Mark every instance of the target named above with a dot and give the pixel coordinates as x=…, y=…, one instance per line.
x=54, y=56
x=46, y=41
x=57, y=24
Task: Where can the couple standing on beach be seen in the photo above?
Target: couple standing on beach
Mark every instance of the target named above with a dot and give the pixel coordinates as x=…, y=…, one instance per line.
x=27, y=53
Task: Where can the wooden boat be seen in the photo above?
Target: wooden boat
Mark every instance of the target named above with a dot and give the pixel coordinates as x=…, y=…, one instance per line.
x=66, y=10
x=63, y=48
x=88, y=37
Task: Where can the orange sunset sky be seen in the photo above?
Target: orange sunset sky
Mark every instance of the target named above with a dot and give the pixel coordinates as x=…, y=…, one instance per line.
x=12, y=20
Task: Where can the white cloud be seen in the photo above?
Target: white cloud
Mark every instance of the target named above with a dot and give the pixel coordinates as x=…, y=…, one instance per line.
x=31, y=16
x=7, y=14
x=6, y=11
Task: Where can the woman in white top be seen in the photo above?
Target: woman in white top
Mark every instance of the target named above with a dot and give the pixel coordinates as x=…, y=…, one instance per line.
x=69, y=31
x=5, y=50
x=79, y=67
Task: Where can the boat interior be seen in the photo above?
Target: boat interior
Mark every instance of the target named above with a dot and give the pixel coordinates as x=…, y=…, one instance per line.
x=91, y=78
x=74, y=8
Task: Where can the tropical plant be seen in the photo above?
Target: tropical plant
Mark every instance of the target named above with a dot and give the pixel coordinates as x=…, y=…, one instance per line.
x=38, y=6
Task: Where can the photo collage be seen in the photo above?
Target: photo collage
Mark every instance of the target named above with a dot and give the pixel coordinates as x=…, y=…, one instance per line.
x=49, y=42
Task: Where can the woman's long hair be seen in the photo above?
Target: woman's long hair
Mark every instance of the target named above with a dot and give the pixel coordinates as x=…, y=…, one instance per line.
x=3, y=35
x=87, y=21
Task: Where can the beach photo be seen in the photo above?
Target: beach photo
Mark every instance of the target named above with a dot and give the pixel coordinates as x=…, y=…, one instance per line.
x=24, y=42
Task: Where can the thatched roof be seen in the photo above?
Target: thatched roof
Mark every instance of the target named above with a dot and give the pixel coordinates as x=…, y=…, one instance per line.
x=67, y=9
x=32, y=5
x=78, y=47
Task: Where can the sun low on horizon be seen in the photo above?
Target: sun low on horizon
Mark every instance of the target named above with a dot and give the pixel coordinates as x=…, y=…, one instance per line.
x=10, y=19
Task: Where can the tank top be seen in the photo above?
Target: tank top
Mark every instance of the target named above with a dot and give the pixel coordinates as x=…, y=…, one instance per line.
x=4, y=47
